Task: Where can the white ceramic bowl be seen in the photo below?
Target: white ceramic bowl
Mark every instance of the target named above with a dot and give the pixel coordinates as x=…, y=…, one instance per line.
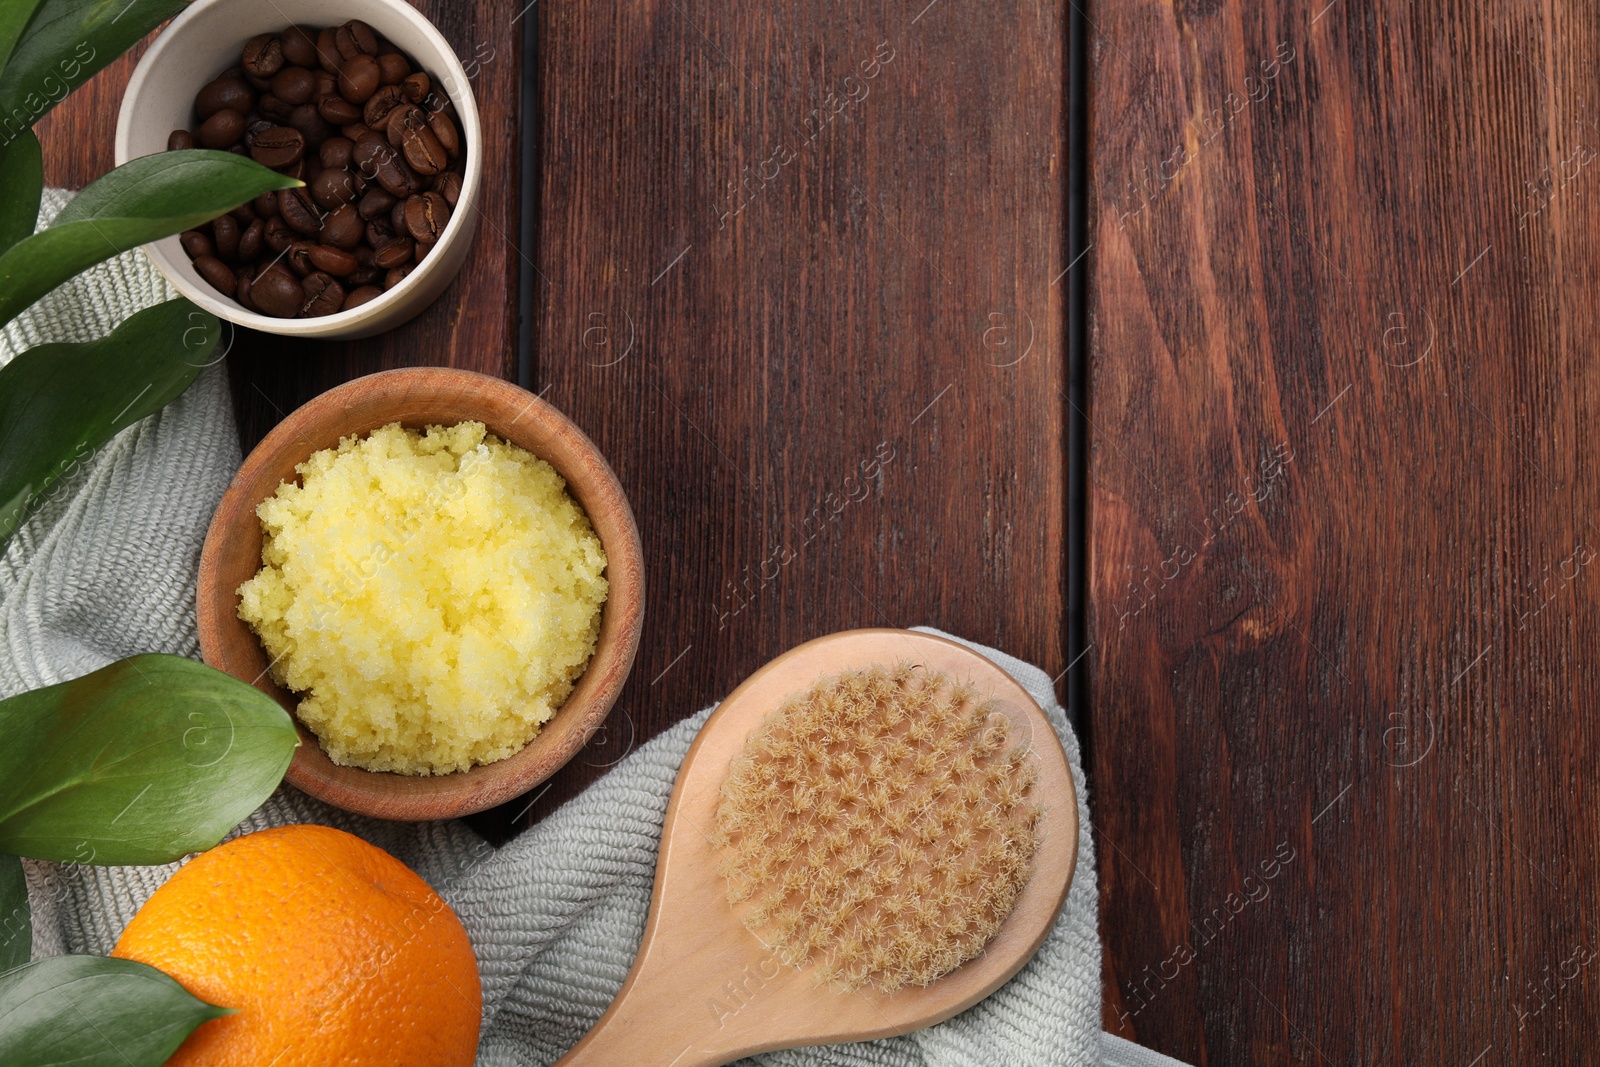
x=207, y=39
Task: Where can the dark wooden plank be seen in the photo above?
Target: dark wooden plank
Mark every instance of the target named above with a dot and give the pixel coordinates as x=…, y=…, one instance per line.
x=473, y=325
x=742, y=315
x=1371, y=652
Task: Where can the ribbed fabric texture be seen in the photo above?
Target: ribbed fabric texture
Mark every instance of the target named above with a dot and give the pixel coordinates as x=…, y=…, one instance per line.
x=107, y=570
x=1116, y=1052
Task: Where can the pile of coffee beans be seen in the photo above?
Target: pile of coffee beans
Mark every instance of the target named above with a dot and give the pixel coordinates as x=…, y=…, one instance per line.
x=373, y=138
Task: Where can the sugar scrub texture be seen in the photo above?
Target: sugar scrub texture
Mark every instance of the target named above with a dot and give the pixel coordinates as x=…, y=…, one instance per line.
x=433, y=595
x=879, y=825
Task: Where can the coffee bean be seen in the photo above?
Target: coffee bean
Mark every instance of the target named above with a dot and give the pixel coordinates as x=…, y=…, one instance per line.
x=396, y=253
x=355, y=36
x=397, y=218
x=250, y=241
x=355, y=131
x=416, y=86
x=272, y=108
x=299, y=257
x=337, y=110
x=363, y=276
x=299, y=46
x=333, y=186
x=196, y=244
x=403, y=119
x=244, y=215
x=363, y=295
x=424, y=152
x=344, y=228
x=217, y=273
x=423, y=250
x=358, y=78
x=369, y=149
x=334, y=261
x=396, y=276
x=446, y=131
x=379, y=232
x=263, y=55
x=241, y=291
x=328, y=51
x=225, y=232
x=309, y=121
x=297, y=209
x=335, y=152
x=278, y=147
x=375, y=203
x=448, y=185
x=279, y=235
x=179, y=140
x=393, y=68
x=239, y=150
x=221, y=130
x=397, y=179
x=278, y=292
x=266, y=205
x=234, y=94
x=385, y=100
x=324, y=296
x=294, y=85
x=426, y=217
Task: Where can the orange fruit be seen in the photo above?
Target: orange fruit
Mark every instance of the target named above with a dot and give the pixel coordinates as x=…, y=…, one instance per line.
x=330, y=949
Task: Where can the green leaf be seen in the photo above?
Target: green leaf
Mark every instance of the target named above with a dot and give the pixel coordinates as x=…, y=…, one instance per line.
x=16, y=926
x=60, y=402
x=66, y=42
x=88, y=1010
x=12, y=512
x=140, y=762
x=22, y=182
x=14, y=18
x=143, y=200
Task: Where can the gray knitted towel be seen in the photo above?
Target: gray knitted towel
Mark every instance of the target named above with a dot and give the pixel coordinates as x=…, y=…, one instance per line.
x=107, y=569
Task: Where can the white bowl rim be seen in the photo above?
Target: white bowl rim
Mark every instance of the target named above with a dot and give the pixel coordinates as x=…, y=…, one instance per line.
x=322, y=325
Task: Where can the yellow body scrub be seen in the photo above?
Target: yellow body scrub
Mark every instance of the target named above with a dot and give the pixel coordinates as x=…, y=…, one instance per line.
x=432, y=595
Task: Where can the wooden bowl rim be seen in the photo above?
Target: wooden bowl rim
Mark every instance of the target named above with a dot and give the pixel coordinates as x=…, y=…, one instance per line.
x=358, y=407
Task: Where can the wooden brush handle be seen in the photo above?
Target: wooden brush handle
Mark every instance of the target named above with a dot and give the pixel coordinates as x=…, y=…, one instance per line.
x=655, y=1023
x=639, y=1043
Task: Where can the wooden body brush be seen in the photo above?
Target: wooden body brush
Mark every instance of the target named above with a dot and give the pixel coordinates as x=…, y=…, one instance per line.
x=872, y=833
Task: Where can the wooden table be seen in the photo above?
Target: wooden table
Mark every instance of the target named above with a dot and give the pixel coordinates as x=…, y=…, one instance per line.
x=1254, y=338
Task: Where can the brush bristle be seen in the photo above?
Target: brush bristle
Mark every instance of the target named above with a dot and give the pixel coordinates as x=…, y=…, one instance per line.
x=878, y=826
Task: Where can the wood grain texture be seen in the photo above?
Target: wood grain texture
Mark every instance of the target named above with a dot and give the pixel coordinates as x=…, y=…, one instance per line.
x=824, y=357
x=1342, y=612
x=472, y=326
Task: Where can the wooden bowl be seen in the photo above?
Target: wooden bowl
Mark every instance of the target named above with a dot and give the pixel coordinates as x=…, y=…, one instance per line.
x=417, y=397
